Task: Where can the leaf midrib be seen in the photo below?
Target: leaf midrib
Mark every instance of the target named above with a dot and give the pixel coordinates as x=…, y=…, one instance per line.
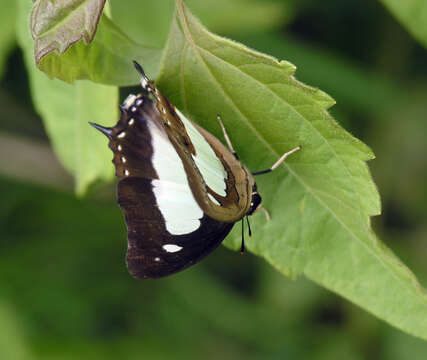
x=190, y=40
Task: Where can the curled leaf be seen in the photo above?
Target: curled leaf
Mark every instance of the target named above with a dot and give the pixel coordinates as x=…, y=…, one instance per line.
x=56, y=25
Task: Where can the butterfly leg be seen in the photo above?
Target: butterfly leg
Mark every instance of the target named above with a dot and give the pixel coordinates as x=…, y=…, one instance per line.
x=227, y=139
x=278, y=162
x=249, y=227
x=242, y=247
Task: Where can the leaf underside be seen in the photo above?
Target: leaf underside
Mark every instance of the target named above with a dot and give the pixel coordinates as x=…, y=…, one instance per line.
x=56, y=25
x=322, y=198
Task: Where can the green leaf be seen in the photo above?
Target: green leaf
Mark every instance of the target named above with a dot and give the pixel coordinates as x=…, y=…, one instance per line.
x=12, y=342
x=412, y=14
x=107, y=59
x=56, y=25
x=7, y=31
x=66, y=111
x=322, y=198
x=369, y=91
x=148, y=21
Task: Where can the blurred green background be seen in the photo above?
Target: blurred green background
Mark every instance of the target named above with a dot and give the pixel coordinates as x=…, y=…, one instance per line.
x=64, y=290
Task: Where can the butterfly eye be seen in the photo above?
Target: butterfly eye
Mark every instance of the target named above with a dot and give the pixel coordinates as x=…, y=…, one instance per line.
x=255, y=202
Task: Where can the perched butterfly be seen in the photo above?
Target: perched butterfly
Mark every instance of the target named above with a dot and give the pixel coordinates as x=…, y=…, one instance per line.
x=180, y=188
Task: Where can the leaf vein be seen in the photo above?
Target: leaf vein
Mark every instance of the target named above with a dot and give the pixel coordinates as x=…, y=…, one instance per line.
x=228, y=98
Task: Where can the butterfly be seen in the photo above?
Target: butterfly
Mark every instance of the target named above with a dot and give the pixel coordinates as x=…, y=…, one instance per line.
x=181, y=190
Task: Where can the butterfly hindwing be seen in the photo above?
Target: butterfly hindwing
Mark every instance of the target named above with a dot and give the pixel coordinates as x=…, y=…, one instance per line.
x=152, y=250
x=220, y=183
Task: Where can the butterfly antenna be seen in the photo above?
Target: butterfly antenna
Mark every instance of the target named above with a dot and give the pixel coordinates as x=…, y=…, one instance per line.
x=278, y=162
x=138, y=68
x=227, y=139
x=145, y=82
x=249, y=226
x=242, y=247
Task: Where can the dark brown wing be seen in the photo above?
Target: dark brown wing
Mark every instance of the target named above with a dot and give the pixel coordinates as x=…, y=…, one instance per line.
x=147, y=234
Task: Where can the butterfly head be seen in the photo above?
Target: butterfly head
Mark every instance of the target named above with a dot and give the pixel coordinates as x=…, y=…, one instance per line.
x=256, y=201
